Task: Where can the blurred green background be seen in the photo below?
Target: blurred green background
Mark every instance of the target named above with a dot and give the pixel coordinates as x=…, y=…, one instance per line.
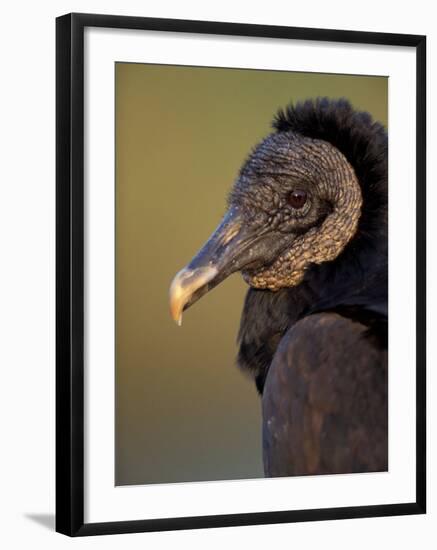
x=184, y=412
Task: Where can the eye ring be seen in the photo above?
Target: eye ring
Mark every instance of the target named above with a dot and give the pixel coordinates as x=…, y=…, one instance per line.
x=297, y=198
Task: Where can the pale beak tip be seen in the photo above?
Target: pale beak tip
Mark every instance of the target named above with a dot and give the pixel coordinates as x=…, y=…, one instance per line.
x=176, y=315
x=184, y=285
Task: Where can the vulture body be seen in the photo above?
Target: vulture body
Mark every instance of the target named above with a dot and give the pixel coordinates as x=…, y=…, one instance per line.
x=307, y=227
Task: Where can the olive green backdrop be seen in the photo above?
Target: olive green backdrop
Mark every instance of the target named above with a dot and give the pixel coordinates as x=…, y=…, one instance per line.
x=184, y=412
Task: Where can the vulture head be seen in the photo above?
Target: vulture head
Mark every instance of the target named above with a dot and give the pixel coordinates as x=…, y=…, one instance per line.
x=297, y=202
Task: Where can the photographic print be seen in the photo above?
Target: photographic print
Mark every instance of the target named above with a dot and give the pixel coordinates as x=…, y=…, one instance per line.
x=253, y=204
x=240, y=255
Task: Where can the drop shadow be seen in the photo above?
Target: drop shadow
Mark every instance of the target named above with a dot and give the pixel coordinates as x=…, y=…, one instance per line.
x=46, y=520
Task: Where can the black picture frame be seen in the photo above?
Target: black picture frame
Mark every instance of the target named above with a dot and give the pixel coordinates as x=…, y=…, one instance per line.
x=70, y=273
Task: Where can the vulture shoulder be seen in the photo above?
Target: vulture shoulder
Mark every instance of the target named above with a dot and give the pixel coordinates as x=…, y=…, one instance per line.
x=325, y=397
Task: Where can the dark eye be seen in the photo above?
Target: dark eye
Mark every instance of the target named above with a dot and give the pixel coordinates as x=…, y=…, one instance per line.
x=297, y=198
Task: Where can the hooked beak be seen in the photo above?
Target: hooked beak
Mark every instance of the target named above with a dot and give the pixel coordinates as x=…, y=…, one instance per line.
x=222, y=255
x=234, y=246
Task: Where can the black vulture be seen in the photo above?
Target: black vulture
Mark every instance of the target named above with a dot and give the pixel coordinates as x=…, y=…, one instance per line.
x=306, y=226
